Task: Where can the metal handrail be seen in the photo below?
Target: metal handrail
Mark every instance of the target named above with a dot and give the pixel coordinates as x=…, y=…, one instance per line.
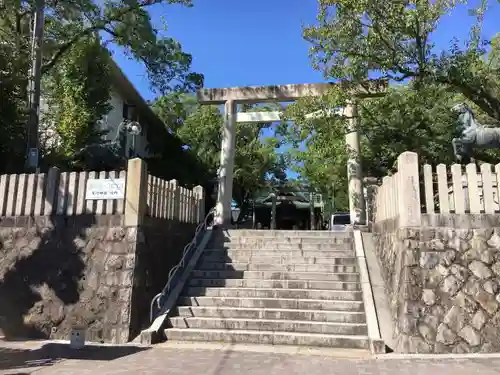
x=202, y=226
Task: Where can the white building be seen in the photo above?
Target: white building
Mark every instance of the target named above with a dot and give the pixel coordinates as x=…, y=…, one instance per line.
x=126, y=103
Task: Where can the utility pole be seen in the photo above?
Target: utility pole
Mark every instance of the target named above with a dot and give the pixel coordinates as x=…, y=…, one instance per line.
x=32, y=149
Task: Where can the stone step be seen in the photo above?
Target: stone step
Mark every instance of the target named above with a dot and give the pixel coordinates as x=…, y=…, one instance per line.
x=279, y=252
x=345, y=295
x=266, y=337
x=347, y=241
x=301, y=304
x=270, y=325
x=271, y=245
x=259, y=313
x=280, y=246
x=248, y=233
x=287, y=284
x=278, y=259
x=330, y=268
x=273, y=275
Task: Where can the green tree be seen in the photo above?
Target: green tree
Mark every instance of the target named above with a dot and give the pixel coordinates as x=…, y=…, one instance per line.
x=403, y=120
x=12, y=144
x=174, y=108
x=69, y=25
x=13, y=91
x=319, y=158
x=78, y=95
x=127, y=24
x=200, y=127
x=393, y=39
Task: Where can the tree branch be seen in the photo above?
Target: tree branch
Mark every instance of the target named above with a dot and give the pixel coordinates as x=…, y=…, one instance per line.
x=63, y=48
x=99, y=25
x=481, y=97
x=374, y=26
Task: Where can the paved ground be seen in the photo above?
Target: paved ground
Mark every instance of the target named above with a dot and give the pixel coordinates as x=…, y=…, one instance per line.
x=57, y=359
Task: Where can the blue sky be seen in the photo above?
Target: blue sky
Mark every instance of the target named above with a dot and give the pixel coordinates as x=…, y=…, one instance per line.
x=238, y=43
x=259, y=42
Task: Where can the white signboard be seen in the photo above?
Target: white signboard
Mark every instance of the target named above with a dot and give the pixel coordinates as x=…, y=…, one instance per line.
x=108, y=188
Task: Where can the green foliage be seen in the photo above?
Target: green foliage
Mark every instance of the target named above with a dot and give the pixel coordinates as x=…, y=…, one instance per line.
x=171, y=158
x=392, y=39
x=407, y=120
x=13, y=90
x=174, y=108
x=12, y=118
x=354, y=41
x=78, y=93
x=318, y=147
x=200, y=128
x=69, y=25
x=127, y=24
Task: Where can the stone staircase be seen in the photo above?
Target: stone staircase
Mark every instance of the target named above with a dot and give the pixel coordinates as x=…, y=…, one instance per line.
x=274, y=287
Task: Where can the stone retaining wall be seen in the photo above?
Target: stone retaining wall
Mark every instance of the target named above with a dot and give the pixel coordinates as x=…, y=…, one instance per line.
x=159, y=248
x=445, y=285
x=59, y=271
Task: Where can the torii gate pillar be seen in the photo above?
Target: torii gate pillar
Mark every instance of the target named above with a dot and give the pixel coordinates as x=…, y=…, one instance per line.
x=228, y=149
x=357, y=205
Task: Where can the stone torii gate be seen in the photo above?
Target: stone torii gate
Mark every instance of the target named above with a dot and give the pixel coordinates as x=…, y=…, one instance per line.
x=231, y=97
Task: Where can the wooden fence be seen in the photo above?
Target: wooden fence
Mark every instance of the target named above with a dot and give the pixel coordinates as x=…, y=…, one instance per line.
x=455, y=189
x=71, y=193
x=168, y=200
x=461, y=190
x=55, y=193
x=387, y=199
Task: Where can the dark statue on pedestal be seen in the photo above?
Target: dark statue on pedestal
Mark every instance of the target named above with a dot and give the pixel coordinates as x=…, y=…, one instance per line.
x=472, y=135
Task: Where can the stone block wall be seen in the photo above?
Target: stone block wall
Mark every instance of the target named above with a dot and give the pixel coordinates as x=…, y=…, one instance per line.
x=56, y=272
x=444, y=283
x=160, y=245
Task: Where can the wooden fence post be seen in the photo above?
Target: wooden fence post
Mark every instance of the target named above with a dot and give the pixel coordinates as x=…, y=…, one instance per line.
x=52, y=191
x=200, y=203
x=408, y=190
x=384, y=201
x=136, y=192
x=370, y=187
x=176, y=197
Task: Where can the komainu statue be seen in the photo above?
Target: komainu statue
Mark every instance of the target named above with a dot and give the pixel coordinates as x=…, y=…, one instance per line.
x=472, y=134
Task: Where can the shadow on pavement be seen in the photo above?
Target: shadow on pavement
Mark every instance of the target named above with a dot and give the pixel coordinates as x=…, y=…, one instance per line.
x=52, y=353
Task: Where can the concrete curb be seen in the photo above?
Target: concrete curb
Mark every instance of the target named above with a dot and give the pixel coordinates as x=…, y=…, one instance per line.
x=354, y=354
x=382, y=305
x=395, y=356
x=377, y=345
